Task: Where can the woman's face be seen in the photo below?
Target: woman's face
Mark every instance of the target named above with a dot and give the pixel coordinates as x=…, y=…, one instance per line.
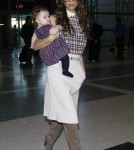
x=71, y=5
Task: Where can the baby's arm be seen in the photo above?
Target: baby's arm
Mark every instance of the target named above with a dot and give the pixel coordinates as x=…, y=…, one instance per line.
x=55, y=29
x=53, y=20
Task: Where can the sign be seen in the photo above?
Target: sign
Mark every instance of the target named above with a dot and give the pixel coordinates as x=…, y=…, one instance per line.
x=19, y=6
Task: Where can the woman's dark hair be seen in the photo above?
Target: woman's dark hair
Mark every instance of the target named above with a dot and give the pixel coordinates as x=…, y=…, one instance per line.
x=62, y=19
x=36, y=10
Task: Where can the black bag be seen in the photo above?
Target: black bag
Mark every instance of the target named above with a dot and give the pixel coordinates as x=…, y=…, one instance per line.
x=99, y=30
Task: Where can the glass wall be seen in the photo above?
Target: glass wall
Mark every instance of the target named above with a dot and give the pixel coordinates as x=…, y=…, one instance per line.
x=105, y=12
x=3, y=32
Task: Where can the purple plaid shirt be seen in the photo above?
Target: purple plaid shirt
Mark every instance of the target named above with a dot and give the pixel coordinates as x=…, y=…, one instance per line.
x=52, y=53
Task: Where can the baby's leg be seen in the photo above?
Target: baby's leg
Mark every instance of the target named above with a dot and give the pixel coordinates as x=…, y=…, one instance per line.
x=65, y=66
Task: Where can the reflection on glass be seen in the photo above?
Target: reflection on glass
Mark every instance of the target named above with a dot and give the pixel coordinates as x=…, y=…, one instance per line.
x=3, y=32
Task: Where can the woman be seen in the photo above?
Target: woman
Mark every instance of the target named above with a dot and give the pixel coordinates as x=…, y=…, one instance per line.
x=58, y=49
x=61, y=93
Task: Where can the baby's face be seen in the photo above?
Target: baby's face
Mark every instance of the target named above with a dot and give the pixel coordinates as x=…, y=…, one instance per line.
x=43, y=18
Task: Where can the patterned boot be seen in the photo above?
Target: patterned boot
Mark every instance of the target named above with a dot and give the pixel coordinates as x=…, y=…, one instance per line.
x=55, y=131
x=72, y=136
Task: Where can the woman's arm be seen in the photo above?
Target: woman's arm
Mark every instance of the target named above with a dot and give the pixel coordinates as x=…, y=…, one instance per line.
x=33, y=40
x=82, y=64
x=55, y=29
x=40, y=43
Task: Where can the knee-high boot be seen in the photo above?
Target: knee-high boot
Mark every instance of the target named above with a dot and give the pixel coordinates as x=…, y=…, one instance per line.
x=72, y=136
x=55, y=131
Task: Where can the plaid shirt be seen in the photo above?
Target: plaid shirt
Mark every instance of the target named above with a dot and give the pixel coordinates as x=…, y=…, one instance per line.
x=77, y=40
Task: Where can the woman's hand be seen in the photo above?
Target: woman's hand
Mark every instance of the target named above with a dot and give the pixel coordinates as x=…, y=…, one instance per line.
x=53, y=37
x=82, y=65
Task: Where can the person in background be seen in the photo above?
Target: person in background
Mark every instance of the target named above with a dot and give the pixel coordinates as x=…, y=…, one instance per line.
x=61, y=93
x=120, y=31
x=94, y=41
x=58, y=49
x=14, y=33
x=131, y=35
x=26, y=34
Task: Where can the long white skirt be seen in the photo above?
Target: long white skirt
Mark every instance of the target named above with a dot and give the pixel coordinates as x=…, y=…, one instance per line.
x=61, y=92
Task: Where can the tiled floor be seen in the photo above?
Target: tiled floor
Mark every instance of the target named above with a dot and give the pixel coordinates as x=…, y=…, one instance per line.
x=106, y=104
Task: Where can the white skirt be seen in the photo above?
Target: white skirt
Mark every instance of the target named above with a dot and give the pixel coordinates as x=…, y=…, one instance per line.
x=61, y=92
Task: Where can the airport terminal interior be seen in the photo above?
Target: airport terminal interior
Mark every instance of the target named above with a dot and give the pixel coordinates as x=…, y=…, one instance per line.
x=106, y=100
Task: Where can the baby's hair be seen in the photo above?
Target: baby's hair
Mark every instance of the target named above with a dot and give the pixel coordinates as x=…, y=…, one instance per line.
x=36, y=10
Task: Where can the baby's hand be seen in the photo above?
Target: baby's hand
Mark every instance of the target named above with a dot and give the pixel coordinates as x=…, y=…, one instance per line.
x=55, y=29
x=60, y=27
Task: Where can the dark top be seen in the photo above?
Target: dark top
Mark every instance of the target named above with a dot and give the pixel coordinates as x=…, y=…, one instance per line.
x=120, y=29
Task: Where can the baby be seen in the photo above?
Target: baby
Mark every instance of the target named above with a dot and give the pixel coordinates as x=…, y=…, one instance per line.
x=58, y=49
